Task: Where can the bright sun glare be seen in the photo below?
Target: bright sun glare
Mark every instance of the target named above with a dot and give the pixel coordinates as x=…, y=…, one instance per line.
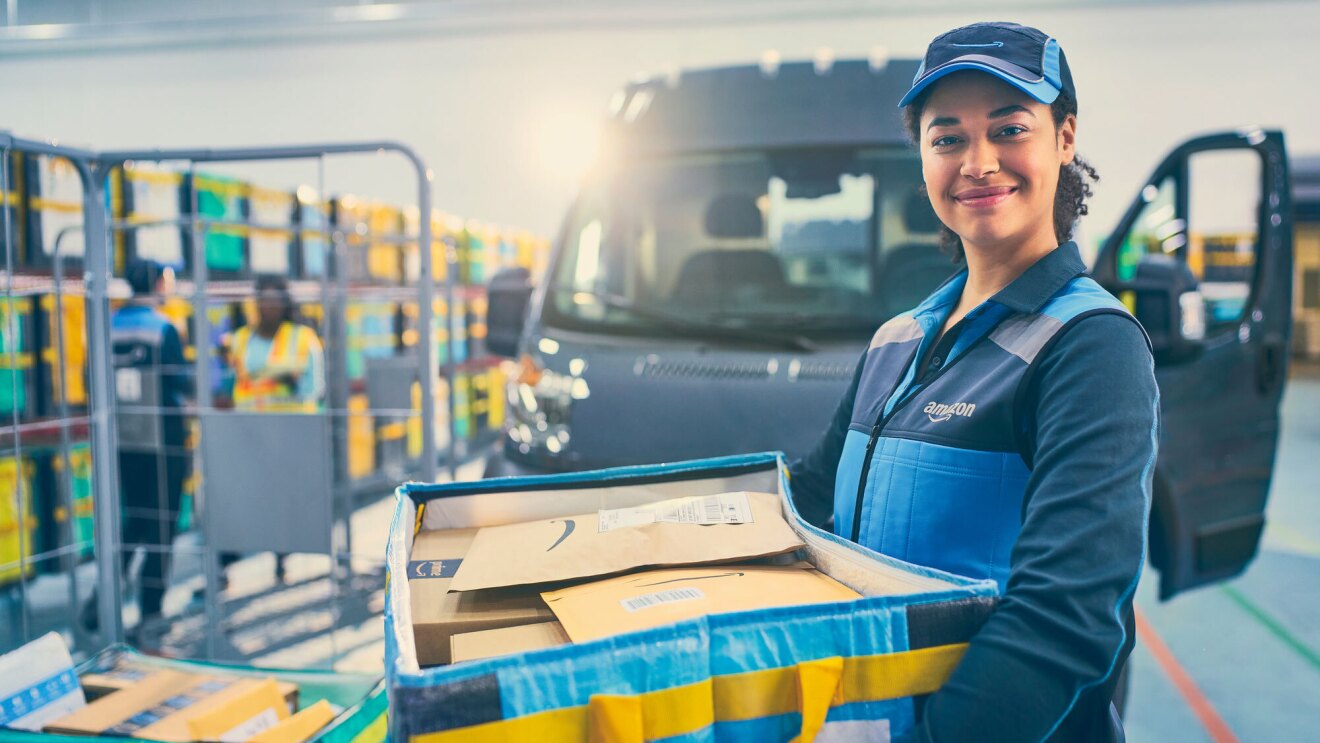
x=567, y=142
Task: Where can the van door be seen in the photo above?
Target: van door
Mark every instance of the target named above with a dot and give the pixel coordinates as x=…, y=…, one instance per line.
x=1203, y=257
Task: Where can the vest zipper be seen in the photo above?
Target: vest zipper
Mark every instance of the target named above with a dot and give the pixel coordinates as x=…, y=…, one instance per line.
x=883, y=420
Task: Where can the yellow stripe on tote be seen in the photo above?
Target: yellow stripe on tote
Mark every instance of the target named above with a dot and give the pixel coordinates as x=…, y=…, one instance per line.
x=665, y=713
x=870, y=678
x=742, y=696
x=867, y=678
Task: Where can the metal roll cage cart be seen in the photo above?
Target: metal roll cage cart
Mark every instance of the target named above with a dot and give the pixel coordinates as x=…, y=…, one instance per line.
x=97, y=229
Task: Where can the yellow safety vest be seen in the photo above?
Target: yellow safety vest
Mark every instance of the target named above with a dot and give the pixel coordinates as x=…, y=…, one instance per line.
x=290, y=350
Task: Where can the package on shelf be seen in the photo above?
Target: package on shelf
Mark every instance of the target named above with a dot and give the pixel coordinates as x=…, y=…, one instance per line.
x=55, y=203
x=361, y=438
x=370, y=334
x=442, y=242
x=63, y=524
x=476, y=324
x=17, y=358
x=271, y=241
x=386, y=249
x=313, y=224
x=498, y=403
x=462, y=405
x=414, y=425
x=18, y=523
x=64, y=381
x=222, y=199
x=350, y=219
x=12, y=208
x=149, y=197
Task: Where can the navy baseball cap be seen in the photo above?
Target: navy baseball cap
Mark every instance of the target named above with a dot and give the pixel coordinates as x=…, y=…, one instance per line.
x=1021, y=56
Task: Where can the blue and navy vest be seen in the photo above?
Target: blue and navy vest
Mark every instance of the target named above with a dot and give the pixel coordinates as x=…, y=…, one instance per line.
x=934, y=473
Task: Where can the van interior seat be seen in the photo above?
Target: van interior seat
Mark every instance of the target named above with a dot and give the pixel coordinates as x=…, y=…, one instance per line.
x=912, y=270
x=710, y=275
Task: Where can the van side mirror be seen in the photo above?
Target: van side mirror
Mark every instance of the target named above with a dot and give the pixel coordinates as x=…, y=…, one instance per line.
x=1165, y=300
x=507, y=297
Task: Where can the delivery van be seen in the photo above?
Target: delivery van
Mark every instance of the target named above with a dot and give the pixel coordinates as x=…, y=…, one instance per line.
x=748, y=228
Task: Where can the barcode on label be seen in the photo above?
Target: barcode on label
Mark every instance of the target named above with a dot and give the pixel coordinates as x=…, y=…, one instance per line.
x=661, y=597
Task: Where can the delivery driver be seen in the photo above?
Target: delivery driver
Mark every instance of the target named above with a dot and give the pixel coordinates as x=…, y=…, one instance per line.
x=1005, y=428
x=278, y=364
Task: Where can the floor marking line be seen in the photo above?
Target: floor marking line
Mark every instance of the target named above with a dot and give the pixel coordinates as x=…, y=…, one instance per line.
x=1201, y=707
x=1275, y=627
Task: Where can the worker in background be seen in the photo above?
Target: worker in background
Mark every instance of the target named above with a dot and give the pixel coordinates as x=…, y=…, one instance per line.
x=151, y=389
x=278, y=364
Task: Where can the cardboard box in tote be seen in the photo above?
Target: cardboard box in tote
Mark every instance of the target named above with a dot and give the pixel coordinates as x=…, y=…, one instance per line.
x=160, y=707
x=38, y=684
x=507, y=640
x=438, y=614
x=683, y=531
x=656, y=597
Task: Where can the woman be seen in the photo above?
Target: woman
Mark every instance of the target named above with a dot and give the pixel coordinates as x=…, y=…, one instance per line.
x=1006, y=427
x=279, y=364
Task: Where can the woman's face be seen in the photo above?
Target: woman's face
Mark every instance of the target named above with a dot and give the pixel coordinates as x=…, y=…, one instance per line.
x=990, y=156
x=270, y=309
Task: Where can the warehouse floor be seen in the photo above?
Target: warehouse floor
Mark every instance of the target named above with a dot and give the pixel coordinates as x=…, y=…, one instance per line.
x=1238, y=661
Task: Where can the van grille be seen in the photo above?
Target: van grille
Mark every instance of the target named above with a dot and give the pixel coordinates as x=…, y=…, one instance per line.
x=816, y=371
x=706, y=370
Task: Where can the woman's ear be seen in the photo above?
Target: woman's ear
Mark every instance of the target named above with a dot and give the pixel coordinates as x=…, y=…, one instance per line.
x=1068, y=139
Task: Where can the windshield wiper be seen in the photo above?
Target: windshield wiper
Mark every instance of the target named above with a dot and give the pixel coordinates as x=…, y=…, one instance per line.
x=687, y=324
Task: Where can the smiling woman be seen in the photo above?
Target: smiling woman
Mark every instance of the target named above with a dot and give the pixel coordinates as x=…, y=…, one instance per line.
x=1075, y=175
x=1005, y=427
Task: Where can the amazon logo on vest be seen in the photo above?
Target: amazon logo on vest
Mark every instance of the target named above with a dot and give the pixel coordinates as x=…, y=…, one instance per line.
x=939, y=412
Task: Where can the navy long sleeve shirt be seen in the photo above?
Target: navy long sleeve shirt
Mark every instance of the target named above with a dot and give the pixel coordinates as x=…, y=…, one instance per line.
x=1045, y=663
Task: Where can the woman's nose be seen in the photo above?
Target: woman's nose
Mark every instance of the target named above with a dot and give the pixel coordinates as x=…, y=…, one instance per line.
x=979, y=161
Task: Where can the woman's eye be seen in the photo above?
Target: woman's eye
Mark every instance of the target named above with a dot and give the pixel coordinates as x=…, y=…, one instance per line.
x=1012, y=131
x=944, y=141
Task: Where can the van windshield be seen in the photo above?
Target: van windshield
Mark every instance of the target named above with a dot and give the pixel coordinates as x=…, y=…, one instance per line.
x=819, y=243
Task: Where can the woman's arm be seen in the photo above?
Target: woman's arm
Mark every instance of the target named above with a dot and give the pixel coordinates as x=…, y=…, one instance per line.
x=1045, y=662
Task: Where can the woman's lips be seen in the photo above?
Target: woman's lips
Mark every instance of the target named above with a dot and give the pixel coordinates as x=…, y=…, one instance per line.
x=984, y=198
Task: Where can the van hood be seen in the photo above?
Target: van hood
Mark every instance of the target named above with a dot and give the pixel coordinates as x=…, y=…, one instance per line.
x=658, y=403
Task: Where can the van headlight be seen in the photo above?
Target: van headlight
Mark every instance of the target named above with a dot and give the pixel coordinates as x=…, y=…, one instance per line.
x=542, y=401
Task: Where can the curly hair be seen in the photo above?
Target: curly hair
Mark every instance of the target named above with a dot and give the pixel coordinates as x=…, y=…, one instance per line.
x=1075, y=178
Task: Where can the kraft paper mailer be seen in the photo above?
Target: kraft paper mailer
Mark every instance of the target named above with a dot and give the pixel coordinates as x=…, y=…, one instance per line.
x=656, y=597
x=297, y=728
x=683, y=531
x=238, y=718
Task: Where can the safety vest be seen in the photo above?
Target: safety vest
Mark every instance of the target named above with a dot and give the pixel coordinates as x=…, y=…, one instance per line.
x=290, y=351
x=934, y=472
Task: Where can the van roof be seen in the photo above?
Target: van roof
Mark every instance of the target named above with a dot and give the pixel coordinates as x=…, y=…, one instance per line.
x=850, y=103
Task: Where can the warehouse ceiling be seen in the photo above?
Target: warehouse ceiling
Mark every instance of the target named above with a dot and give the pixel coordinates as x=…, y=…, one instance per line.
x=62, y=26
